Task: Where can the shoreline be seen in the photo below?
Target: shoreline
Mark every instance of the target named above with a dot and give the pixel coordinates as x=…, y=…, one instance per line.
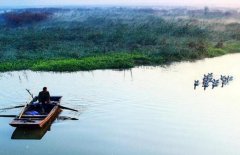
x=109, y=61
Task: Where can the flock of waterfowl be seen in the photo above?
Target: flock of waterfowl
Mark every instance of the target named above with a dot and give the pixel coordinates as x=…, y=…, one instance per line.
x=209, y=80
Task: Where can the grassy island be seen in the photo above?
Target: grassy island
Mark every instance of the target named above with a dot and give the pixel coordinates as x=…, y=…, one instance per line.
x=73, y=39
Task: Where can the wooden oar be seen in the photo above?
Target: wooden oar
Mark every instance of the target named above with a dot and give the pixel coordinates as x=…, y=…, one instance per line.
x=63, y=118
x=8, y=116
x=23, y=110
x=20, y=106
x=62, y=107
x=59, y=118
x=30, y=93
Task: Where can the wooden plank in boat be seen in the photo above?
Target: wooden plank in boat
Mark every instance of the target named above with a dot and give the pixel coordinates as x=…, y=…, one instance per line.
x=33, y=116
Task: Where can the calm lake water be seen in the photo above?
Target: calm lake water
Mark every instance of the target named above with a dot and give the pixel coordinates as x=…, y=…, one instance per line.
x=143, y=111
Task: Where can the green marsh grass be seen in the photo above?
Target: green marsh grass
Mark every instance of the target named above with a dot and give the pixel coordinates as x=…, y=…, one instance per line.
x=110, y=38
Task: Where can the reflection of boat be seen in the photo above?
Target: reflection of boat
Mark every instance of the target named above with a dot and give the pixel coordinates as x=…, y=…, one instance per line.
x=34, y=134
x=32, y=117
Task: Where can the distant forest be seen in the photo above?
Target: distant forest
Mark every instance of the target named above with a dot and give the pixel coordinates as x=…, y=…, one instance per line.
x=174, y=33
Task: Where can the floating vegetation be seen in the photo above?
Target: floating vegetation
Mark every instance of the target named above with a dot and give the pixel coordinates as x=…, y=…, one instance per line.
x=108, y=61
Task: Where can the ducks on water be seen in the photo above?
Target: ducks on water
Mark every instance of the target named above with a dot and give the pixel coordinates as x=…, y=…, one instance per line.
x=215, y=83
x=208, y=78
x=226, y=79
x=196, y=83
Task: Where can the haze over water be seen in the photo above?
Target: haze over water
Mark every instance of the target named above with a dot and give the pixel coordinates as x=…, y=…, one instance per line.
x=218, y=3
x=145, y=111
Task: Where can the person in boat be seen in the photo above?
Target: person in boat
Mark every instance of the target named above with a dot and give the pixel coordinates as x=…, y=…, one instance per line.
x=44, y=96
x=44, y=99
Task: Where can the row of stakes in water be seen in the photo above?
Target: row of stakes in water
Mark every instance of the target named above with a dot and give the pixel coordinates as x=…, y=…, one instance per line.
x=208, y=79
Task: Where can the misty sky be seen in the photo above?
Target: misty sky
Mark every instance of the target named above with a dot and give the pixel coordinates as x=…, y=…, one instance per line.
x=222, y=3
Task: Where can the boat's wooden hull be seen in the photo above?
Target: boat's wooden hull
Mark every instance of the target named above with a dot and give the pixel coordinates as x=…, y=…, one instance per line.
x=35, y=122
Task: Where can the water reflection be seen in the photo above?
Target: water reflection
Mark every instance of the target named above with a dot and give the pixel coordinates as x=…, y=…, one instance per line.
x=31, y=134
x=37, y=133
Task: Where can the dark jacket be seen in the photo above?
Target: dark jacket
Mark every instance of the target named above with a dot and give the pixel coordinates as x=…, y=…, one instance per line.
x=43, y=96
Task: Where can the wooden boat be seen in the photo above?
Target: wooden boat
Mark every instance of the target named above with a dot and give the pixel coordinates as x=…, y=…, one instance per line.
x=32, y=116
